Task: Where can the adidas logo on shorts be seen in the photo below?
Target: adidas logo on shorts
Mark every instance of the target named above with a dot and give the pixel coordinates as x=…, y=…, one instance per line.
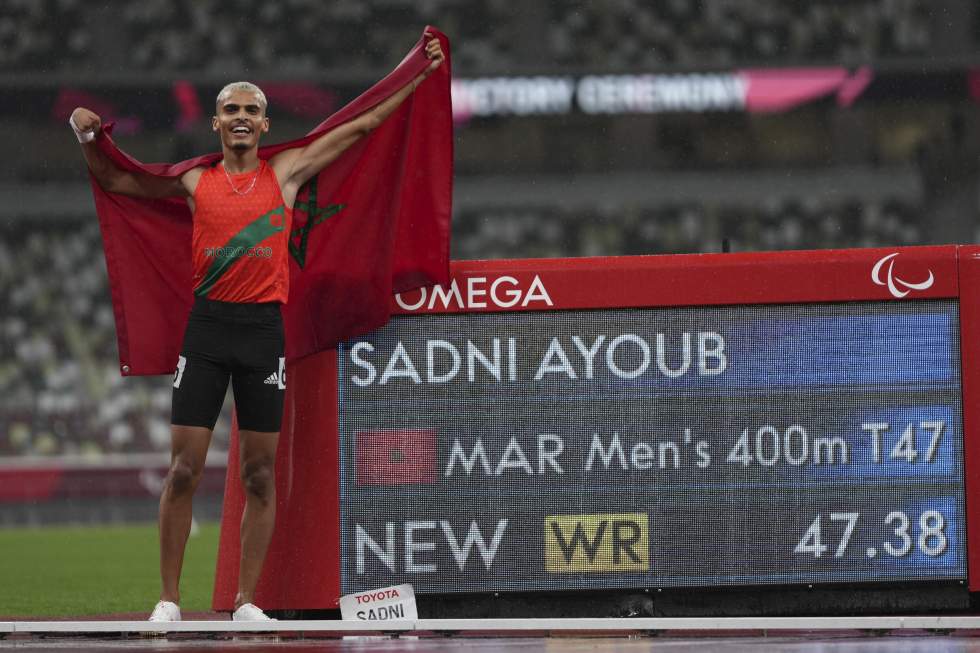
x=278, y=378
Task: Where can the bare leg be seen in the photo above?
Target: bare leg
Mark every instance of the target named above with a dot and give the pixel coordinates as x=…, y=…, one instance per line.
x=188, y=450
x=258, y=457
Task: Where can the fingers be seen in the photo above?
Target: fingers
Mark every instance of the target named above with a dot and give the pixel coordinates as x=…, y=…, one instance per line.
x=433, y=51
x=86, y=120
x=88, y=124
x=433, y=48
x=436, y=57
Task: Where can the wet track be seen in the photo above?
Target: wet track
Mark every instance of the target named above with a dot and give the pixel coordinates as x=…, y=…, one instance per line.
x=802, y=643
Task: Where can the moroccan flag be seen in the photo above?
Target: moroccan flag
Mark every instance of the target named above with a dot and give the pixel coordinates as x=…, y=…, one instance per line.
x=393, y=457
x=373, y=223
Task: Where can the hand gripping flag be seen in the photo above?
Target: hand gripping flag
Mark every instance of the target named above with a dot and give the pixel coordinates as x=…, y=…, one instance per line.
x=373, y=223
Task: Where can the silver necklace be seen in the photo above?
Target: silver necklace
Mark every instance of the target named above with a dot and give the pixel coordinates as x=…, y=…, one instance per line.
x=250, y=186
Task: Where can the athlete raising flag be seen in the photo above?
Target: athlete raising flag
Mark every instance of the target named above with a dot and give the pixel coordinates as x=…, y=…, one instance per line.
x=242, y=208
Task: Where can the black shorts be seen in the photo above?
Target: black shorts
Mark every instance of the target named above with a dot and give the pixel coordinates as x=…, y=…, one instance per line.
x=243, y=341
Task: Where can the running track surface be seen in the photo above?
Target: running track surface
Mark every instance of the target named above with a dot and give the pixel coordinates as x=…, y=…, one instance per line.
x=822, y=642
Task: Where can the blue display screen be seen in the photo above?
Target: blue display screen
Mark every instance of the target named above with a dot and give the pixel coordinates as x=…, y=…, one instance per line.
x=644, y=448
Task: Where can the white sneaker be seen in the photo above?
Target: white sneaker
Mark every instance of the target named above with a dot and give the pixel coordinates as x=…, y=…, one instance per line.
x=166, y=611
x=249, y=612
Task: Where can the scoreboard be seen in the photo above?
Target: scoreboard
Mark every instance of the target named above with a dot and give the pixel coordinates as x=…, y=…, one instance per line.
x=643, y=422
x=653, y=447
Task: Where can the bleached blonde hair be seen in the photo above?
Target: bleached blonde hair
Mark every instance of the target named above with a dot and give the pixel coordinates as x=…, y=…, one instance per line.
x=226, y=92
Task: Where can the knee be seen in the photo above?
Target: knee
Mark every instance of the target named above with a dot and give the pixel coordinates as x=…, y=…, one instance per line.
x=182, y=478
x=258, y=479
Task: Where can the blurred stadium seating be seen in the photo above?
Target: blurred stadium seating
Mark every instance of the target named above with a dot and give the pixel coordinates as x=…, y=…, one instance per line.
x=61, y=390
x=726, y=32
x=680, y=229
x=42, y=35
x=307, y=35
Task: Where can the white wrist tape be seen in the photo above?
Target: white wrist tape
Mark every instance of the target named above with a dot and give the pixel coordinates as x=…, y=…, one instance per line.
x=83, y=137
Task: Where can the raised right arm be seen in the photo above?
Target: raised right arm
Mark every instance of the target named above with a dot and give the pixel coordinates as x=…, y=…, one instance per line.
x=115, y=180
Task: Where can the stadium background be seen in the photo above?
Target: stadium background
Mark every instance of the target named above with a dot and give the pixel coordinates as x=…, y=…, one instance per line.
x=893, y=163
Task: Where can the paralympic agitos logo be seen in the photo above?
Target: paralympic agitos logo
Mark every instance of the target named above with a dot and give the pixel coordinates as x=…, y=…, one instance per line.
x=897, y=286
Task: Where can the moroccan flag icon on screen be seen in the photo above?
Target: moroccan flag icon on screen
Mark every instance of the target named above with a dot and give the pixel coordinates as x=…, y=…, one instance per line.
x=395, y=457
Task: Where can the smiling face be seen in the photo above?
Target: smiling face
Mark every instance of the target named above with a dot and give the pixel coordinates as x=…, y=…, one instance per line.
x=240, y=120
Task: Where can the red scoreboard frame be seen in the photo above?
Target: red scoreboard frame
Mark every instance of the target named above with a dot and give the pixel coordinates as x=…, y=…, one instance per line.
x=302, y=569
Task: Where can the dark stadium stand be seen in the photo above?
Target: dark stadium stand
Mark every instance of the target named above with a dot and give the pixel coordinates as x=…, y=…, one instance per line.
x=59, y=379
x=42, y=35
x=306, y=35
x=726, y=32
x=685, y=228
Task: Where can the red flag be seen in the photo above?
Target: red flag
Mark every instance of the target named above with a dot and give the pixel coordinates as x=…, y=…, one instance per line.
x=373, y=223
x=393, y=457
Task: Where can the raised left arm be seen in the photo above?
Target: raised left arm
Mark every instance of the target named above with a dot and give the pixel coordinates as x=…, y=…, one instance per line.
x=297, y=166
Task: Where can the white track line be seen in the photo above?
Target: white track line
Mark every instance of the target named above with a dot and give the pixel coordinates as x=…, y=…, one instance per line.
x=499, y=625
x=207, y=626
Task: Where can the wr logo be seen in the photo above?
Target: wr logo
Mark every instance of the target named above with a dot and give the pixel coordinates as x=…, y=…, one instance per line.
x=597, y=543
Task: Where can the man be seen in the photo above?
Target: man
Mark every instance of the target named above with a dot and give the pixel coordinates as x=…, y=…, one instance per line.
x=242, y=211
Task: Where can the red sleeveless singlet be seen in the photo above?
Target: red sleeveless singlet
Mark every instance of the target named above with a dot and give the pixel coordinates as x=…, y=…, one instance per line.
x=240, y=240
